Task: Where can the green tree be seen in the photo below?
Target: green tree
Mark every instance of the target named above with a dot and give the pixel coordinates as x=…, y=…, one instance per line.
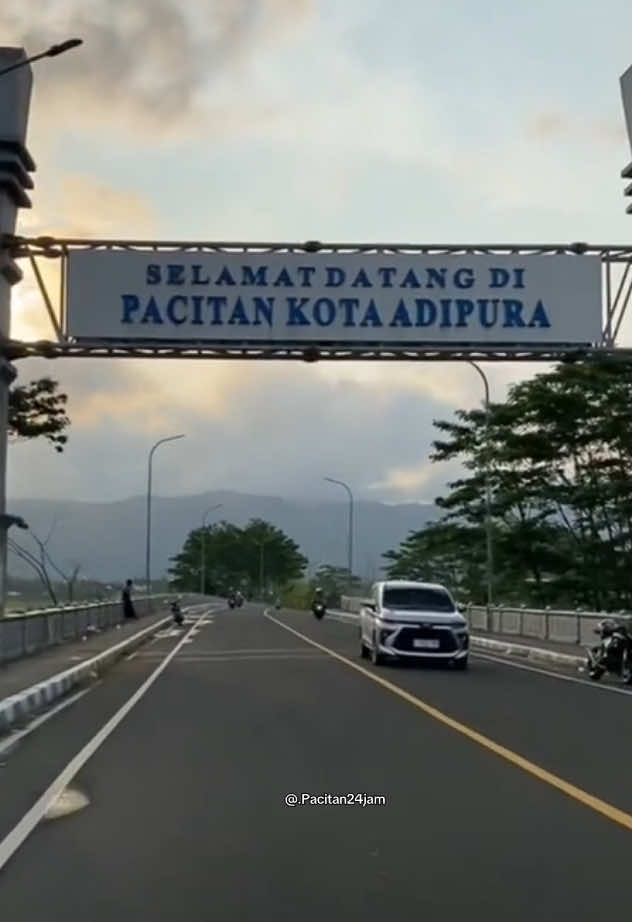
x=237, y=558
x=559, y=455
x=38, y=410
x=335, y=582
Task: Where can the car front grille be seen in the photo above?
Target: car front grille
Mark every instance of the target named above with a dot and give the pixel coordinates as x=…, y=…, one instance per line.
x=407, y=635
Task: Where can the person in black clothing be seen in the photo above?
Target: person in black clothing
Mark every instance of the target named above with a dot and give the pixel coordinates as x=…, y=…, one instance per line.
x=126, y=597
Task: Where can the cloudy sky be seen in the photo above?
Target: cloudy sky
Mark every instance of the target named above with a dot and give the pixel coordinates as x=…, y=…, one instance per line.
x=362, y=120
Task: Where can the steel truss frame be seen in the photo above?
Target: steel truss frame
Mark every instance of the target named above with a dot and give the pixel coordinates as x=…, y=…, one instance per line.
x=617, y=292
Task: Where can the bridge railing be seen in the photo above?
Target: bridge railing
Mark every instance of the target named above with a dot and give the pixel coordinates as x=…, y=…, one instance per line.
x=22, y=635
x=570, y=627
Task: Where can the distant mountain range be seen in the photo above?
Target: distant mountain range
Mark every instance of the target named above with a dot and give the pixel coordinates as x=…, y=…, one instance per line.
x=108, y=539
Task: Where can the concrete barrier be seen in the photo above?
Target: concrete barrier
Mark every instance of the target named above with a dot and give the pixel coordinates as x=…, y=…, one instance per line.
x=526, y=652
x=568, y=627
x=17, y=708
x=23, y=635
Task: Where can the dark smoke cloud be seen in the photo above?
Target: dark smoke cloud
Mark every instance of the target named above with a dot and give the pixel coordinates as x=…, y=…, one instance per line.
x=147, y=58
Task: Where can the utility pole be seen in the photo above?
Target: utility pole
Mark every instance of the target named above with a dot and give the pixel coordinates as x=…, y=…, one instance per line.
x=15, y=165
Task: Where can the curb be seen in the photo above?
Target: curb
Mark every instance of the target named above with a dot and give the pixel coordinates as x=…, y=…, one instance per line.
x=17, y=707
x=533, y=654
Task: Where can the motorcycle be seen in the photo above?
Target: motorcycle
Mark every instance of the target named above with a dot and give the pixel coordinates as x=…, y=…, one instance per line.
x=318, y=610
x=614, y=653
x=239, y=600
x=231, y=603
x=176, y=611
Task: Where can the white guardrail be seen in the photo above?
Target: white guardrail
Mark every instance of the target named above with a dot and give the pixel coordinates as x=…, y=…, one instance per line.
x=569, y=627
x=22, y=635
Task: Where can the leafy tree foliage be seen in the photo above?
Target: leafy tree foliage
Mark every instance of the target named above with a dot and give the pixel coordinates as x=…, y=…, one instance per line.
x=237, y=558
x=558, y=453
x=38, y=410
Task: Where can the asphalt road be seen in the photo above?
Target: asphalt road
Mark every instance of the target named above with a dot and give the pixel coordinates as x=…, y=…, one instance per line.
x=184, y=814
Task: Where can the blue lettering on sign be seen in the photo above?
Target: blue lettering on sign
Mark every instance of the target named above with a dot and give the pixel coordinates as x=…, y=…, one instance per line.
x=464, y=278
x=225, y=278
x=263, y=308
x=250, y=277
x=426, y=312
x=400, y=317
x=464, y=309
x=296, y=317
x=335, y=277
x=175, y=274
x=513, y=313
x=198, y=301
x=540, y=318
x=239, y=315
x=361, y=280
x=324, y=312
x=284, y=278
x=445, y=313
x=153, y=274
x=306, y=273
x=216, y=304
x=488, y=319
x=436, y=276
x=349, y=305
x=196, y=280
x=499, y=278
x=386, y=273
x=371, y=316
x=131, y=303
x=152, y=314
x=411, y=280
x=171, y=314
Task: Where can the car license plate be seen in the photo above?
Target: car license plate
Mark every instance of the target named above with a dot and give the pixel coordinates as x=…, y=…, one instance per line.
x=423, y=644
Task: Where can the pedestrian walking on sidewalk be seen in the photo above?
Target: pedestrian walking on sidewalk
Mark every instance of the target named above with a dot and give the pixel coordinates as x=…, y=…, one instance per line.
x=126, y=597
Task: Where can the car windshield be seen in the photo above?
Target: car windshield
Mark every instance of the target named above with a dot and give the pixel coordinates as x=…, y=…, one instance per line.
x=416, y=598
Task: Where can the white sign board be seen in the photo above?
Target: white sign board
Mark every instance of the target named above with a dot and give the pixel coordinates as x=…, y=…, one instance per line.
x=333, y=298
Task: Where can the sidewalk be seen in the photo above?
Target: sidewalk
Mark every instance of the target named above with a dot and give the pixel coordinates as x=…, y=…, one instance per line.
x=569, y=649
x=31, y=670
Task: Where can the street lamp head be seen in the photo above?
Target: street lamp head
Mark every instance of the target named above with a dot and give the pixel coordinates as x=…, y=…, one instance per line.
x=54, y=50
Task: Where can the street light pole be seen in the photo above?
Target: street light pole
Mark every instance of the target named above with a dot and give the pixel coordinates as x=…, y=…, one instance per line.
x=51, y=52
x=346, y=487
x=488, y=491
x=15, y=165
x=171, y=438
x=203, y=551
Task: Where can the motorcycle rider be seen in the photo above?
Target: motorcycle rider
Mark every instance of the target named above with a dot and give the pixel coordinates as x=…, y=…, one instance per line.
x=614, y=652
x=176, y=611
x=318, y=597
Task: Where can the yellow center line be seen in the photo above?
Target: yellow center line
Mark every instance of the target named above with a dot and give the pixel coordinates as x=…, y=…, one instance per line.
x=571, y=790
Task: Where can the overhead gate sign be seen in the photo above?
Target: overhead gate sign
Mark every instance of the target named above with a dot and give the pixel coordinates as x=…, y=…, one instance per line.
x=355, y=298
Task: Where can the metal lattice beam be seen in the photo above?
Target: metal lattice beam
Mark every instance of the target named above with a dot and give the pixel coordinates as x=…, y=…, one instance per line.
x=616, y=260
x=308, y=353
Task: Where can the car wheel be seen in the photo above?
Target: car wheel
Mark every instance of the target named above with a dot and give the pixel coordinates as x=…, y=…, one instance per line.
x=376, y=657
x=461, y=664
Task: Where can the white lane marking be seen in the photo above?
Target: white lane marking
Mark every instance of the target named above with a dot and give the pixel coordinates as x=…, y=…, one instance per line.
x=17, y=735
x=553, y=675
x=10, y=844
